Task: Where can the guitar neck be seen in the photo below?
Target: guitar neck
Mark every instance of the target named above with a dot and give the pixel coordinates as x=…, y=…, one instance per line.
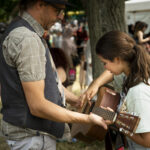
x=106, y=114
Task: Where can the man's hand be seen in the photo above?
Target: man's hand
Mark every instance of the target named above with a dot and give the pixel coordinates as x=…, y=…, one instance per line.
x=75, y=102
x=95, y=119
x=108, y=122
x=72, y=99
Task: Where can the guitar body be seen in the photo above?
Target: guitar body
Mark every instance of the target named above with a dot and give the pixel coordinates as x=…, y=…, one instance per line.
x=89, y=133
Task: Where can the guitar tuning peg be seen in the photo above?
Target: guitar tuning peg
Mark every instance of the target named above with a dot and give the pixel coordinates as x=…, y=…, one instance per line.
x=124, y=131
x=134, y=114
x=131, y=134
x=121, y=129
x=130, y=113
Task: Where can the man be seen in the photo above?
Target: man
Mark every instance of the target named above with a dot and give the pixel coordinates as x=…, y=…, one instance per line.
x=32, y=95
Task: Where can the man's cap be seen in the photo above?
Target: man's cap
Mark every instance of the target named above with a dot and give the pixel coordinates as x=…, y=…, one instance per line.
x=63, y=2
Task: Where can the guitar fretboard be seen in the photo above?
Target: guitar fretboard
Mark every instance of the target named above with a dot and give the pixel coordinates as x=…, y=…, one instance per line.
x=106, y=114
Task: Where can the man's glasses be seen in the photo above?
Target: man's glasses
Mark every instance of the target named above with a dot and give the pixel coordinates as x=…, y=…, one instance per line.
x=60, y=11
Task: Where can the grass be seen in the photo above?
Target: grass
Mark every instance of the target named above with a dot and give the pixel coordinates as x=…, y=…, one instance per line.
x=80, y=146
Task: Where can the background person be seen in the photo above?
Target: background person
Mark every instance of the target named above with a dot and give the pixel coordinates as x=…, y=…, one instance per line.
x=139, y=30
x=68, y=45
x=61, y=63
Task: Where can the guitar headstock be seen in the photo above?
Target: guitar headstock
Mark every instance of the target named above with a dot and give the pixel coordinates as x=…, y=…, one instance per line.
x=127, y=122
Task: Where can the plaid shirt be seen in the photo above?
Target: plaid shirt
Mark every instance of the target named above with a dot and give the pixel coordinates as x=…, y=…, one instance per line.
x=24, y=50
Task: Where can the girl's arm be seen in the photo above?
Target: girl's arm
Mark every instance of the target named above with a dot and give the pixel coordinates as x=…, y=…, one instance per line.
x=103, y=79
x=141, y=139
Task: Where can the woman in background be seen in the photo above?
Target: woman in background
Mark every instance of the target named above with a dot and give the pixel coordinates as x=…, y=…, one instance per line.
x=139, y=35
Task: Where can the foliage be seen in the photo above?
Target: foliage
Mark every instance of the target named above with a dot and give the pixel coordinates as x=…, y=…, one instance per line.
x=77, y=3
x=6, y=9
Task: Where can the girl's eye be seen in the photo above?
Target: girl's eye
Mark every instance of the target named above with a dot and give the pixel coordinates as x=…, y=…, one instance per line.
x=104, y=63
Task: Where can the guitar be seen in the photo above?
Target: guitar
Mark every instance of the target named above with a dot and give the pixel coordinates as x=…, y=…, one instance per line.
x=123, y=120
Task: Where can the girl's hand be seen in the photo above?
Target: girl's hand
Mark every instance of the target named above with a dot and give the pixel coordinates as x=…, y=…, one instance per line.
x=89, y=93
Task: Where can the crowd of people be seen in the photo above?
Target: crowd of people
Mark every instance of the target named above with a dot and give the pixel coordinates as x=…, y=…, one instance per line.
x=71, y=39
x=37, y=64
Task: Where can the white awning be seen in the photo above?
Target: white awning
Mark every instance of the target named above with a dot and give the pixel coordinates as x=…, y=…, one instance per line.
x=137, y=5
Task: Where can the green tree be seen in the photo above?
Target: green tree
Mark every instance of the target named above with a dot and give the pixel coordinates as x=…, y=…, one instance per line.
x=77, y=4
x=103, y=16
x=7, y=9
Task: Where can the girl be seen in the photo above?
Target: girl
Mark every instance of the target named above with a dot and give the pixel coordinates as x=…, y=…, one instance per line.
x=139, y=30
x=121, y=54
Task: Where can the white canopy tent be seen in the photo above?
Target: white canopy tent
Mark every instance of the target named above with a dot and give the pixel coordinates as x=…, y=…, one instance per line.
x=138, y=10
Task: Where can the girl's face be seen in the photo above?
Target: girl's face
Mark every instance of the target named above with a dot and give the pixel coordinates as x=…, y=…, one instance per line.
x=117, y=66
x=144, y=29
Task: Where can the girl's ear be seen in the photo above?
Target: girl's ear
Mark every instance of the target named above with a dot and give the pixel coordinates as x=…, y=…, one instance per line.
x=117, y=60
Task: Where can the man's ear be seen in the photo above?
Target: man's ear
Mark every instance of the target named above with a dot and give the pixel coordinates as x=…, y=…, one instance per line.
x=39, y=4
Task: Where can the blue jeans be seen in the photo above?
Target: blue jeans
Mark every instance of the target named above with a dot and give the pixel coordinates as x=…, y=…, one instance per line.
x=41, y=142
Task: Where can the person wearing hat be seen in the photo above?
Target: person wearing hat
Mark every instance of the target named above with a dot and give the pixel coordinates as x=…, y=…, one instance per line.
x=33, y=98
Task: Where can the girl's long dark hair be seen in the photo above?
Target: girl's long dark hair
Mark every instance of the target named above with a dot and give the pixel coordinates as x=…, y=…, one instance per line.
x=119, y=44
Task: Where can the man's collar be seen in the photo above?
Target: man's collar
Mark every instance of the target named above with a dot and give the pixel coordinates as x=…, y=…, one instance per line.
x=36, y=26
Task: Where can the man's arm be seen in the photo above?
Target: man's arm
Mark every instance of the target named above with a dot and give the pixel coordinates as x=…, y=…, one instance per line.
x=41, y=107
